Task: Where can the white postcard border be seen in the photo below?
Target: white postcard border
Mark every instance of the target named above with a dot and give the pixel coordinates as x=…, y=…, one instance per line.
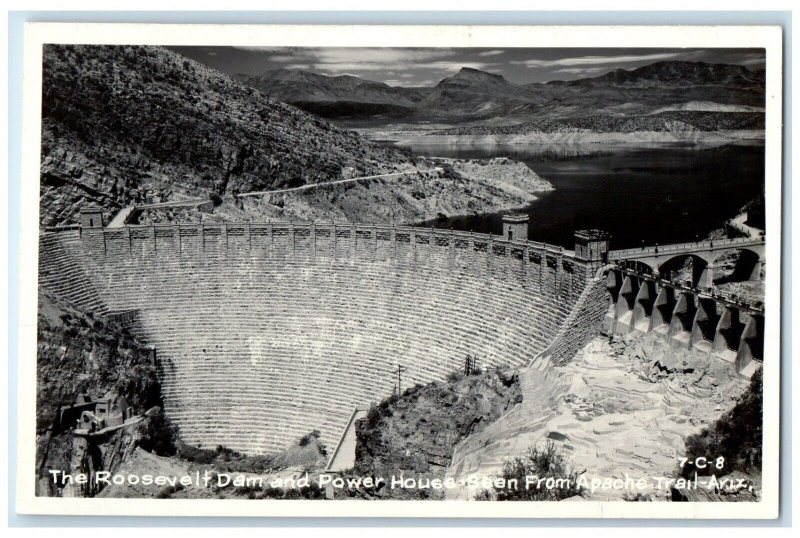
x=37, y=34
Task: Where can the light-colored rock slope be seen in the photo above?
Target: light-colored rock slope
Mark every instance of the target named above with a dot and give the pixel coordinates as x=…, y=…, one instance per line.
x=612, y=410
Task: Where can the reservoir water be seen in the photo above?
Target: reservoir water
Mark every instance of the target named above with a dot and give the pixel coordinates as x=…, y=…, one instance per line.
x=665, y=194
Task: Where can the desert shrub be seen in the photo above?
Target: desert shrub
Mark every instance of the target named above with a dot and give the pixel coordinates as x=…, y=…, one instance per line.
x=159, y=436
x=224, y=459
x=309, y=438
x=507, y=379
x=548, y=462
x=313, y=491
x=411, y=391
x=196, y=455
x=454, y=377
x=168, y=491
x=449, y=172
x=638, y=497
x=215, y=198
x=736, y=436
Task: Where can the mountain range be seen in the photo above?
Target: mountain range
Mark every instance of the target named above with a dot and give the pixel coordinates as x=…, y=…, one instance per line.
x=472, y=95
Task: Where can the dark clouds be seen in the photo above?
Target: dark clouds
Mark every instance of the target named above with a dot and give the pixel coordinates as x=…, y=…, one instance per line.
x=427, y=66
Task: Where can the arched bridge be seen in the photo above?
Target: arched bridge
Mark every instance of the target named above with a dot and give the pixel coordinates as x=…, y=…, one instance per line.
x=663, y=260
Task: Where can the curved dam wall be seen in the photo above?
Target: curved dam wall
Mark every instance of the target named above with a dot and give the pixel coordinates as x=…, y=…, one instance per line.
x=265, y=332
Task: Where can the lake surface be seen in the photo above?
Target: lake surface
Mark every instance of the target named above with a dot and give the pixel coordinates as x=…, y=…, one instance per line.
x=653, y=195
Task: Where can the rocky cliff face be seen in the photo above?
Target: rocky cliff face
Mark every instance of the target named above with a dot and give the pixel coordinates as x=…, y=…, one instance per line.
x=78, y=353
x=414, y=434
x=440, y=188
x=122, y=122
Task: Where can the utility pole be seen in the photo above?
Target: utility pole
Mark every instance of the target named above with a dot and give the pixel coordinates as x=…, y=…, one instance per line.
x=470, y=365
x=400, y=370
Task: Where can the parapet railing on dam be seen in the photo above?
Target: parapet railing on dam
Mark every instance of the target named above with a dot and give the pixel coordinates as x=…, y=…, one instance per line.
x=205, y=230
x=328, y=240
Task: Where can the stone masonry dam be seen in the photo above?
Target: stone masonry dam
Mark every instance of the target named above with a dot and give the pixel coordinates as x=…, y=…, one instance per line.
x=265, y=332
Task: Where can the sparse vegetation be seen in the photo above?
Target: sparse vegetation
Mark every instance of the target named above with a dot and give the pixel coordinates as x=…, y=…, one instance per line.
x=547, y=462
x=159, y=435
x=312, y=491
x=736, y=436
x=309, y=437
x=638, y=497
x=416, y=431
x=455, y=376
x=215, y=198
x=168, y=491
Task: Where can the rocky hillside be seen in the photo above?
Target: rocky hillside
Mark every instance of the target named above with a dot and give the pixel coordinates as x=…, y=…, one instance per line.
x=679, y=74
x=122, y=122
x=78, y=352
x=440, y=189
x=474, y=94
x=414, y=434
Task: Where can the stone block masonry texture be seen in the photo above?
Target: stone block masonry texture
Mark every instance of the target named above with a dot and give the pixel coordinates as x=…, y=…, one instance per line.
x=582, y=324
x=267, y=331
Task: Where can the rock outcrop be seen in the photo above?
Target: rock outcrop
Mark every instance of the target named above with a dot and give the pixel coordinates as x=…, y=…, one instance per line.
x=414, y=434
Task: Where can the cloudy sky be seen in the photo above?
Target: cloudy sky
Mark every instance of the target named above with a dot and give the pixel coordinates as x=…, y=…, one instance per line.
x=427, y=66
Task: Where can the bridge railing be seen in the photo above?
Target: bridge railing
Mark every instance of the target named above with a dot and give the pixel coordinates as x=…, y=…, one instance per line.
x=684, y=247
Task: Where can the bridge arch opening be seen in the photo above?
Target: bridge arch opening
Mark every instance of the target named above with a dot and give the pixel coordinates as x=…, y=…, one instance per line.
x=684, y=268
x=737, y=265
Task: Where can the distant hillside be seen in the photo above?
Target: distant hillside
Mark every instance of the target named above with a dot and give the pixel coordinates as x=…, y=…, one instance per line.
x=475, y=96
x=679, y=74
x=337, y=97
x=671, y=121
x=122, y=121
x=301, y=86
